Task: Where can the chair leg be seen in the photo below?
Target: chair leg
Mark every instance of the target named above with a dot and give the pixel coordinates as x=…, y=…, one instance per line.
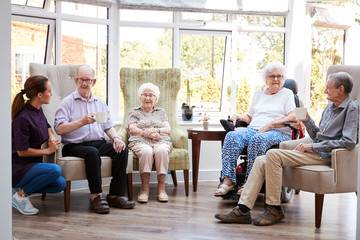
x=67, y=196
x=43, y=196
x=129, y=186
x=319, y=200
x=173, y=175
x=186, y=181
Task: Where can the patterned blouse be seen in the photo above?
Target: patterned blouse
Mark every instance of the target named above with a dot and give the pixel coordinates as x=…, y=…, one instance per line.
x=155, y=118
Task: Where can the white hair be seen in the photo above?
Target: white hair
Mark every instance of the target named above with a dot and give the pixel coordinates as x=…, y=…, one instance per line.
x=274, y=65
x=151, y=87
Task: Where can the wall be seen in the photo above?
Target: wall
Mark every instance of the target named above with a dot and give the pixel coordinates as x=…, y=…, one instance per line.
x=5, y=137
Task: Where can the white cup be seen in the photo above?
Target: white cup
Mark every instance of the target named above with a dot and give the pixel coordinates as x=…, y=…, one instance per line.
x=101, y=117
x=300, y=113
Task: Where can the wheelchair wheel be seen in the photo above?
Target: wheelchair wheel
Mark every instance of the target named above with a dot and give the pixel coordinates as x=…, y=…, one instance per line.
x=286, y=194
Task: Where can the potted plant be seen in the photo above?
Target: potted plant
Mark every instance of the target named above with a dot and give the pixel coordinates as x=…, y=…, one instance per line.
x=187, y=112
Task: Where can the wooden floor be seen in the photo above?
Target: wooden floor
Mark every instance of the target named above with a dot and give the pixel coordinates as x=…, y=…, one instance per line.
x=183, y=218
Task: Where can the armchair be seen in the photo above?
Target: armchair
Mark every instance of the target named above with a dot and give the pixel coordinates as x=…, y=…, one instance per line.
x=340, y=176
x=73, y=168
x=168, y=81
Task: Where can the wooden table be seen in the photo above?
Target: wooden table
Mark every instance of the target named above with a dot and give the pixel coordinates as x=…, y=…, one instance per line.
x=196, y=135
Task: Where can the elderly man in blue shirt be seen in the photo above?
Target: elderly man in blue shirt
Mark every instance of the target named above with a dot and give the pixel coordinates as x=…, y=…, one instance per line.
x=83, y=137
x=338, y=129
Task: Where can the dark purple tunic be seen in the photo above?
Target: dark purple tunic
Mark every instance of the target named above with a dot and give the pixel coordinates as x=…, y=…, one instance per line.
x=29, y=130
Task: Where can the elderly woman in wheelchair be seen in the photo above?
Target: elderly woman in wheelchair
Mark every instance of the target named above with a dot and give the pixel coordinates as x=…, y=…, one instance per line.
x=271, y=106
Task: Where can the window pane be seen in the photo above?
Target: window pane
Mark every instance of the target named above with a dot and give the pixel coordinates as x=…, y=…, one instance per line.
x=202, y=61
x=84, y=10
x=254, y=51
x=261, y=21
x=18, y=2
x=152, y=51
x=149, y=16
x=203, y=16
x=327, y=50
x=28, y=44
x=36, y=3
x=84, y=43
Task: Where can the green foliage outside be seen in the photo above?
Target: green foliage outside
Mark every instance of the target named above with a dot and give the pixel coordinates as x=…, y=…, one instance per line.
x=326, y=51
x=243, y=96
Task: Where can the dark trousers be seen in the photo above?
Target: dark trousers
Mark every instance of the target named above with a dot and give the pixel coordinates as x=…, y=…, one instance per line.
x=91, y=152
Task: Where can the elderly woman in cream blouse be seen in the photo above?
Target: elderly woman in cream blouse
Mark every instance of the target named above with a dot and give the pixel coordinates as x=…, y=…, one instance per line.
x=149, y=139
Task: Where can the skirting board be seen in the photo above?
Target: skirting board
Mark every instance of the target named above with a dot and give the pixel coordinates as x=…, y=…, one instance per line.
x=204, y=175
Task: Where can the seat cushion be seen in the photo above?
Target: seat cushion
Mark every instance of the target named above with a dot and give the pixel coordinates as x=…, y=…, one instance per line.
x=311, y=178
x=73, y=168
x=179, y=160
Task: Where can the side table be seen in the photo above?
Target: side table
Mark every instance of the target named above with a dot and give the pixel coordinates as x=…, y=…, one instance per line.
x=196, y=135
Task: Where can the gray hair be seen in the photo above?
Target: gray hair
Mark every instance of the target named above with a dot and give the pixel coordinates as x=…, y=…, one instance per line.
x=344, y=79
x=151, y=87
x=274, y=65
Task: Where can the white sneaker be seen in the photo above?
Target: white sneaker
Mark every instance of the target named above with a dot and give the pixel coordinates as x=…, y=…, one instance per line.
x=23, y=205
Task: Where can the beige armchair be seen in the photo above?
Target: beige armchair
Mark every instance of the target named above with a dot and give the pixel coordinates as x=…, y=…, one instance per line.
x=168, y=81
x=340, y=176
x=62, y=84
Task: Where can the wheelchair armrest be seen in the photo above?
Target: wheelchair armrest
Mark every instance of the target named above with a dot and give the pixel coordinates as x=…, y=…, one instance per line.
x=241, y=124
x=294, y=125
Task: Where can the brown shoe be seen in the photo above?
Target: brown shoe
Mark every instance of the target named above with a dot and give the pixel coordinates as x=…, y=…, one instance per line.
x=120, y=202
x=234, y=216
x=269, y=217
x=99, y=205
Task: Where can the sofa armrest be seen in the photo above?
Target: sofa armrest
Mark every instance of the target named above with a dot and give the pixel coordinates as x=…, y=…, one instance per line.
x=345, y=164
x=291, y=145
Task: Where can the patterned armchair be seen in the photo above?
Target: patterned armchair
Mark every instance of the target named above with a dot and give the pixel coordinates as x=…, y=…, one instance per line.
x=168, y=81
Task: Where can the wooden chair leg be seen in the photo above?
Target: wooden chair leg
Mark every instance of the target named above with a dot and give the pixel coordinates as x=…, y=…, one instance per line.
x=186, y=181
x=319, y=201
x=67, y=196
x=43, y=196
x=173, y=175
x=129, y=186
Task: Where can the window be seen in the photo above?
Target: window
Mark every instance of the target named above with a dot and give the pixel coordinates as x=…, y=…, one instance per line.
x=202, y=69
x=86, y=43
x=84, y=10
x=146, y=47
x=29, y=39
x=254, y=51
x=327, y=50
x=149, y=16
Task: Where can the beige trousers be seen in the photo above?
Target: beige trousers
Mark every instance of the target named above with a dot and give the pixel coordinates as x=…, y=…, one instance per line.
x=269, y=167
x=147, y=154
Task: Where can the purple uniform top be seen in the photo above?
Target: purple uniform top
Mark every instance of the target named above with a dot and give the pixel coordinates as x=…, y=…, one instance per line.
x=29, y=130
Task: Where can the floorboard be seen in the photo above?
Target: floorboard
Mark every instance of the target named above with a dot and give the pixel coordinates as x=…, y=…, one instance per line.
x=183, y=218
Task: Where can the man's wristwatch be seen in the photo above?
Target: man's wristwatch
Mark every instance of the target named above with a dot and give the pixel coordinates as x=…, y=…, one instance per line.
x=116, y=137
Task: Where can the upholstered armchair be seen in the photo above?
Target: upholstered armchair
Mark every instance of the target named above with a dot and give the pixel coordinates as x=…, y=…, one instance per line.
x=340, y=176
x=62, y=84
x=168, y=81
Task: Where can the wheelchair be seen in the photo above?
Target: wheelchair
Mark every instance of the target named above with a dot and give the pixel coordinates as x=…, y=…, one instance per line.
x=286, y=193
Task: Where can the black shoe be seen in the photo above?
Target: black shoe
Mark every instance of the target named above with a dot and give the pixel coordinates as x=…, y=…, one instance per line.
x=234, y=216
x=120, y=202
x=271, y=216
x=99, y=205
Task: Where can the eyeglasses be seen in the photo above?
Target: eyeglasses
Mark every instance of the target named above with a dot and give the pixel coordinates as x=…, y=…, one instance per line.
x=144, y=95
x=81, y=80
x=276, y=77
